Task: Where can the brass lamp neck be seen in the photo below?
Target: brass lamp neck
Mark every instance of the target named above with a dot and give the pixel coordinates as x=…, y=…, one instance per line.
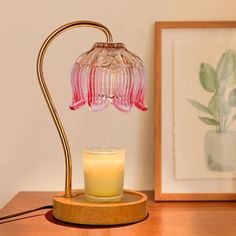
x=48, y=98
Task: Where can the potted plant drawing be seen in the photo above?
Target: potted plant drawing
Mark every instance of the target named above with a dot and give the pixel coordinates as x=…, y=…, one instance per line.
x=220, y=82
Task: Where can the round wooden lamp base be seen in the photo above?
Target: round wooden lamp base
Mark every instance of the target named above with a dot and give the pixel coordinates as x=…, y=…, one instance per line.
x=132, y=208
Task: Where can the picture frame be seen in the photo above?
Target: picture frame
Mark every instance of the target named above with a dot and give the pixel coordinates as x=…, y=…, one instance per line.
x=184, y=169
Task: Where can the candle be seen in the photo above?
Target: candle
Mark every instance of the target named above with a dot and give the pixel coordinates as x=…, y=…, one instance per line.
x=104, y=173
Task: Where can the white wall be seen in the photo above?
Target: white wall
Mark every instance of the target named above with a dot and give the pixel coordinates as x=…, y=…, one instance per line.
x=31, y=154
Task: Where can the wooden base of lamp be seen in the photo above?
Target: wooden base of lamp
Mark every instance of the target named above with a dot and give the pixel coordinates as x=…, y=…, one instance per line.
x=132, y=208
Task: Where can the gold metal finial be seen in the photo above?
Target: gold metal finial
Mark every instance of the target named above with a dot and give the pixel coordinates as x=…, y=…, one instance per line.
x=47, y=96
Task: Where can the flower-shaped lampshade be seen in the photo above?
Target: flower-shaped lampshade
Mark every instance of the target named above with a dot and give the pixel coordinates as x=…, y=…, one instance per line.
x=108, y=73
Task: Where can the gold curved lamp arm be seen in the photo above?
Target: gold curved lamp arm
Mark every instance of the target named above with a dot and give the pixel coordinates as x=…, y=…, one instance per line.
x=47, y=96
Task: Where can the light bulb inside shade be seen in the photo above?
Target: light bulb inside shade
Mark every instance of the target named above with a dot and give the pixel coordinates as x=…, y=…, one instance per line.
x=108, y=73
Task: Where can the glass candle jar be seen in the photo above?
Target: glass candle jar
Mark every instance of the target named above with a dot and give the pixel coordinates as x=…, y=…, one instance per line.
x=104, y=173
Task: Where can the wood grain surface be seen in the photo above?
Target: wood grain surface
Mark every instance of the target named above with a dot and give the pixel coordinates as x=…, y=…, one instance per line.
x=132, y=208
x=165, y=218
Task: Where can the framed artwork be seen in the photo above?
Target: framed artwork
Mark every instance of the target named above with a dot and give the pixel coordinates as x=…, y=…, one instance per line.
x=195, y=111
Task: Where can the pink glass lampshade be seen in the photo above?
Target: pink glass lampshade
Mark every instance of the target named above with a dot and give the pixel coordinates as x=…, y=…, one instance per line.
x=108, y=73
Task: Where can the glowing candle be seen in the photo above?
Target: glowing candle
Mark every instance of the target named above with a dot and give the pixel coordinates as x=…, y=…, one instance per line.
x=104, y=173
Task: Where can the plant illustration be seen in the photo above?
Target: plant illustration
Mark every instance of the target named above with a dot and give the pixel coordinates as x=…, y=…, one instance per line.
x=221, y=83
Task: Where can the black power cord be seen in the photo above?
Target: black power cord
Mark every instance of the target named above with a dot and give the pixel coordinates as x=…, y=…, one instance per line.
x=25, y=212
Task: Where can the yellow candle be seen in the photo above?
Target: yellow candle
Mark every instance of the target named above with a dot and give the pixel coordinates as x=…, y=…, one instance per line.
x=104, y=173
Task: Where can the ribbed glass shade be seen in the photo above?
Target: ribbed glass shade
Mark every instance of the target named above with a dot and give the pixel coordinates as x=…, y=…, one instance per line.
x=108, y=73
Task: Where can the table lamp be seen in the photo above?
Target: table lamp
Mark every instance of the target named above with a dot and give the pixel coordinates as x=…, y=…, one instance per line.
x=107, y=73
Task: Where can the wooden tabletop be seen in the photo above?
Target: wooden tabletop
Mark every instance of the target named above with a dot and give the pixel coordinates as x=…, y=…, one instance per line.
x=165, y=218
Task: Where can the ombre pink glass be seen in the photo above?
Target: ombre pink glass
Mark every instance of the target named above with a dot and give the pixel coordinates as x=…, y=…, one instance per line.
x=108, y=73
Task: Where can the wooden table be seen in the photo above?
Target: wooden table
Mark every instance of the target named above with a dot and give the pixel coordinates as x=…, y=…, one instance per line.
x=165, y=218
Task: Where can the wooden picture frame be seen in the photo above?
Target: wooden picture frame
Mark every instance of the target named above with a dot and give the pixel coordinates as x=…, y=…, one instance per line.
x=162, y=58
